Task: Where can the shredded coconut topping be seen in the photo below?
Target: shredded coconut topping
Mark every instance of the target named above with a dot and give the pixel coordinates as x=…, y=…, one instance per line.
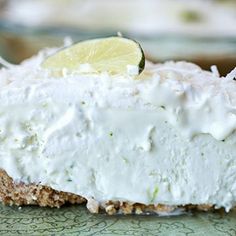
x=231, y=75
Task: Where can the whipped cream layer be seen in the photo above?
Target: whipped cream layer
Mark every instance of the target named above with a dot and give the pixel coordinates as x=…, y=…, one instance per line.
x=167, y=136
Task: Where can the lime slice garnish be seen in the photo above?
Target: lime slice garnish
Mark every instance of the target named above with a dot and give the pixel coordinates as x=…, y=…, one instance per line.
x=115, y=55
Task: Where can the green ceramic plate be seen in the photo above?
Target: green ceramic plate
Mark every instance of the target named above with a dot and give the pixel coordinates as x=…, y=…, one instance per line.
x=76, y=220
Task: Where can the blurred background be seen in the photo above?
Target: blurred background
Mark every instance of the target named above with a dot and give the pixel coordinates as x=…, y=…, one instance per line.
x=201, y=31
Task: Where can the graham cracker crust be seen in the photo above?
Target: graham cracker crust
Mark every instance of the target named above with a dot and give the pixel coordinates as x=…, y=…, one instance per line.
x=35, y=194
x=32, y=194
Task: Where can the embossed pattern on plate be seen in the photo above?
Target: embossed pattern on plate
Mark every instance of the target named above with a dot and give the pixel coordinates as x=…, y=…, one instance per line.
x=76, y=220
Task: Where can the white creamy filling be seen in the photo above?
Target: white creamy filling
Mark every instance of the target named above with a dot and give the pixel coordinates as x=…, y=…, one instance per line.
x=166, y=137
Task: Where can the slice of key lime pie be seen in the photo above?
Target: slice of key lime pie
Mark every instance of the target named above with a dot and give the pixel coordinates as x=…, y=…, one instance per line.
x=88, y=123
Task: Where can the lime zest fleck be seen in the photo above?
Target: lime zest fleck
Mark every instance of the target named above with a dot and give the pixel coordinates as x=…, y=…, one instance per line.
x=126, y=161
x=190, y=16
x=152, y=196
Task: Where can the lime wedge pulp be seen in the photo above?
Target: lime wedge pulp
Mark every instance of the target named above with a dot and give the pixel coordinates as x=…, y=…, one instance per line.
x=115, y=55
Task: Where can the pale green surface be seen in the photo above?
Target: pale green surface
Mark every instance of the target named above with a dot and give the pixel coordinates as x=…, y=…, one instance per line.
x=76, y=220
